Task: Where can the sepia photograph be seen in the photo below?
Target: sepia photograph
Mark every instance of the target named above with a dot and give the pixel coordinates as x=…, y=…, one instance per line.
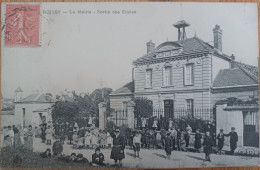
x=98, y=85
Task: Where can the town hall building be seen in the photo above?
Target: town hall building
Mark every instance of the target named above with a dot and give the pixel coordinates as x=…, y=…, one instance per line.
x=191, y=75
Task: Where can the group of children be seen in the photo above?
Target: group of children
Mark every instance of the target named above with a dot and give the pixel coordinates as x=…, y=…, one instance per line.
x=97, y=157
x=91, y=139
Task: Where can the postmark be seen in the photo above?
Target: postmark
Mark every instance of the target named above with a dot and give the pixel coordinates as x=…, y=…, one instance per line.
x=22, y=25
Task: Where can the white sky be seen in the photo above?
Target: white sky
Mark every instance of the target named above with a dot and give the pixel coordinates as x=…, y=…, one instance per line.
x=86, y=52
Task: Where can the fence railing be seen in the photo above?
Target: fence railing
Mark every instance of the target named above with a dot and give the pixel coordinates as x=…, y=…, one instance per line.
x=197, y=113
x=119, y=117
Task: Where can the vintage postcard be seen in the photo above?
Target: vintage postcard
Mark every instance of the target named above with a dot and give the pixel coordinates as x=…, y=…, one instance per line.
x=129, y=85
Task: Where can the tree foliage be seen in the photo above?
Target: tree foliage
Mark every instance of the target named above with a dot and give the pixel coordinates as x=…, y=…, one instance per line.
x=81, y=105
x=143, y=107
x=64, y=111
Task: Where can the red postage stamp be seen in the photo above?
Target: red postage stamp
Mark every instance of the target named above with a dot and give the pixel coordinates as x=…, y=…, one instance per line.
x=22, y=25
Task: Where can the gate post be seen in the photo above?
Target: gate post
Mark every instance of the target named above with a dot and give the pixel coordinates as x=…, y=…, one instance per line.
x=102, y=118
x=130, y=114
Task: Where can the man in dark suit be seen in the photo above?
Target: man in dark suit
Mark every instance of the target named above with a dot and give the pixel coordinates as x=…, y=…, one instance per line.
x=233, y=140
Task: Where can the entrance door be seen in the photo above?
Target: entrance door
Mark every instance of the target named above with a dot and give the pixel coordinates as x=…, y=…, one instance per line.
x=168, y=109
x=250, y=135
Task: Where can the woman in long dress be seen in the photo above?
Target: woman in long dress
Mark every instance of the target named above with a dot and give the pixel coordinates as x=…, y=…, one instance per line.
x=17, y=138
x=28, y=141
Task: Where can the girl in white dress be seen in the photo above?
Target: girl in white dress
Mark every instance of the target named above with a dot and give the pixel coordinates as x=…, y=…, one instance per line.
x=109, y=140
x=94, y=140
x=88, y=137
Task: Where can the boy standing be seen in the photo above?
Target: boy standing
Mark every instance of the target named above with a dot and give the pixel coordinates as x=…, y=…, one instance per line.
x=136, y=144
x=221, y=139
x=207, y=144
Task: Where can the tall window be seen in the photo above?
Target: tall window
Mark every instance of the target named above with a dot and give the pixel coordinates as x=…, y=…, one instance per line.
x=168, y=76
x=188, y=74
x=189, y=106
x=148, y=78
x=124, y=105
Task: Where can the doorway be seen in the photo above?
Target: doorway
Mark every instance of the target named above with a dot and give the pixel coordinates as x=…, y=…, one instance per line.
x=168, y=109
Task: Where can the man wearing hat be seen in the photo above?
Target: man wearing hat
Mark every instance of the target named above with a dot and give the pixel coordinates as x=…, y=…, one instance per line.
x=117, y=152
x=233, y=140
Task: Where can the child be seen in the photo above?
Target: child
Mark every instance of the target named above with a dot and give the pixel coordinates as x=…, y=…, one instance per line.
x=6, y=136
x=168, y=145
x=147, y=139
x=221, y=139
x=178, y=139
x=75, y=139
x=197, y=144
x=109, y=140
x=11, y=136
x=46, y=154
x=80, y=141
x=57, y=148
x=103, y=139
x=49, y=133
x=94, y=140
x=136, y=144
x=81, y=159
x=207, y=144
x=72, y=158
x=98, y=158
x=87, y=139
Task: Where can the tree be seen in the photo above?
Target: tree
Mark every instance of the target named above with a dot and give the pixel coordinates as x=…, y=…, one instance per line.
x=64, y=111
x=81, y=105
x=100, y=95
x=143, y=107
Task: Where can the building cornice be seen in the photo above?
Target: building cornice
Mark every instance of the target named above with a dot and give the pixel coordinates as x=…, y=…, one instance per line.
x=183, y=56
x=173, y=91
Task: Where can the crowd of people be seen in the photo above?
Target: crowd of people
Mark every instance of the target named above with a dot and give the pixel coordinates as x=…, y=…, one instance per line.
x=15, y=136
x=168, y=137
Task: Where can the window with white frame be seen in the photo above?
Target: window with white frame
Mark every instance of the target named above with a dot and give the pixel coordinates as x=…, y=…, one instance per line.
x=167, y=76
x=188, y=74
x=148, y=78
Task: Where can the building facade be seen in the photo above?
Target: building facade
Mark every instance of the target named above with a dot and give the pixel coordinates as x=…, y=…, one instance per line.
x=34, y=110
x=179, y=74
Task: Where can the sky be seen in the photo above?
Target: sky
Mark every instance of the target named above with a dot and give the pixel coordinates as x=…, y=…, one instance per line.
x=83, y=52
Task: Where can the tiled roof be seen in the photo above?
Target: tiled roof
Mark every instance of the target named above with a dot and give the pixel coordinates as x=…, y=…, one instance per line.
x=126, y=89
x=233, y=77
x=189, y=46
x=37, y=98
x=252, y=70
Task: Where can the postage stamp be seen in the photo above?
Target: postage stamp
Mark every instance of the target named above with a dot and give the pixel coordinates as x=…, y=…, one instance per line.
x=22, y=25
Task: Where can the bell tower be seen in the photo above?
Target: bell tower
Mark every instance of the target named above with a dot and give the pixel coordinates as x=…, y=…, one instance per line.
x=180, y=25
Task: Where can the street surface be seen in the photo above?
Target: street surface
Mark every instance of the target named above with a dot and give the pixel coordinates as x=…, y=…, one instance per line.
x=156, y=158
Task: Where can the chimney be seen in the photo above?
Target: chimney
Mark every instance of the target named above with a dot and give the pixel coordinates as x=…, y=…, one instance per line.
x=150, y=46
x=217, y=32
x=232, y=63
